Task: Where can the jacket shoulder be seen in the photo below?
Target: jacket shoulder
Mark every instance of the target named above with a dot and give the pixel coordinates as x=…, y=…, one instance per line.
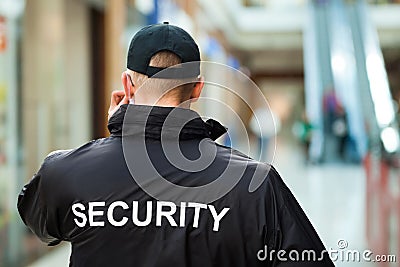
x=256, y=177
x=57, y=155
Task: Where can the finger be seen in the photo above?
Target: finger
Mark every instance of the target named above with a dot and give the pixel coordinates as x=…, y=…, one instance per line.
x=116, y=97
x=121, y=99
x=125, y=100
x=113, y=95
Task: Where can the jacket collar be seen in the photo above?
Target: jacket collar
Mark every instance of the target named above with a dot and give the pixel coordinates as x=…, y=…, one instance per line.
x=153, y=119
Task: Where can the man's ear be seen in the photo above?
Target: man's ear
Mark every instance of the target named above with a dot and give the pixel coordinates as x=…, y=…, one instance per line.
x=198, y=87
x=127, y=83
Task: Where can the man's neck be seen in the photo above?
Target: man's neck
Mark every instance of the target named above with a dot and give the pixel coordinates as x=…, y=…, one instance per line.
x=164, y=103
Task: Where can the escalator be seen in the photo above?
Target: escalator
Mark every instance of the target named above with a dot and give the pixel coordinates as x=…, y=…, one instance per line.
x=318, y=73
x=343, y=60
x=344, y=71
x=374, y=89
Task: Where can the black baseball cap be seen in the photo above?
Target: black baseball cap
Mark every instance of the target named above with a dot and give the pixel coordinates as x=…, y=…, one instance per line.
x=163, y=37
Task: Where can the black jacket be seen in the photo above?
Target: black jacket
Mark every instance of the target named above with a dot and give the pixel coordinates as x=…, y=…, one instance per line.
x=71, y=196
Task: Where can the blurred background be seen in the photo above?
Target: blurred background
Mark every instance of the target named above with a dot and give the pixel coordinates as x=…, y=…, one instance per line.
x=330, y=70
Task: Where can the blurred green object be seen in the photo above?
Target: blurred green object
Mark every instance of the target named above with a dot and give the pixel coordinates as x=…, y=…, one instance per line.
x=3, y=93
x=302, y=130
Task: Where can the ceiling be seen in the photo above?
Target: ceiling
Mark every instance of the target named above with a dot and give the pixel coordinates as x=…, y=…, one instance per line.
x=269, y=41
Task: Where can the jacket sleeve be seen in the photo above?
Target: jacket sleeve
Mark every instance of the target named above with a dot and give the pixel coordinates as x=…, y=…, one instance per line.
x=294, y=232
x=33, y=209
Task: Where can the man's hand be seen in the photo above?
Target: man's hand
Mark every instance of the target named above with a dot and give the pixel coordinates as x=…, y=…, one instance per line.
x=118, y=98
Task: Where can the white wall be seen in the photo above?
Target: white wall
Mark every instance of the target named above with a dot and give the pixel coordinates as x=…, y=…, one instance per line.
x=56, y=78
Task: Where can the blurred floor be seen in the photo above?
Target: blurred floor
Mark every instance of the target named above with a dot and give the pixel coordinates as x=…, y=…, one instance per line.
x=57, y=257
x=331, y=195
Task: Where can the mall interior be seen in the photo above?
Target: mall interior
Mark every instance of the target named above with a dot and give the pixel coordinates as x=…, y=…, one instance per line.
x=329, y=70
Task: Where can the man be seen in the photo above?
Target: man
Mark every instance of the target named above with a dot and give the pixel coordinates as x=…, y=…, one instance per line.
x=101, y=196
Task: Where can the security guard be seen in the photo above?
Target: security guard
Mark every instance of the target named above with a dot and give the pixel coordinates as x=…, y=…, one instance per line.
x=130, y=200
